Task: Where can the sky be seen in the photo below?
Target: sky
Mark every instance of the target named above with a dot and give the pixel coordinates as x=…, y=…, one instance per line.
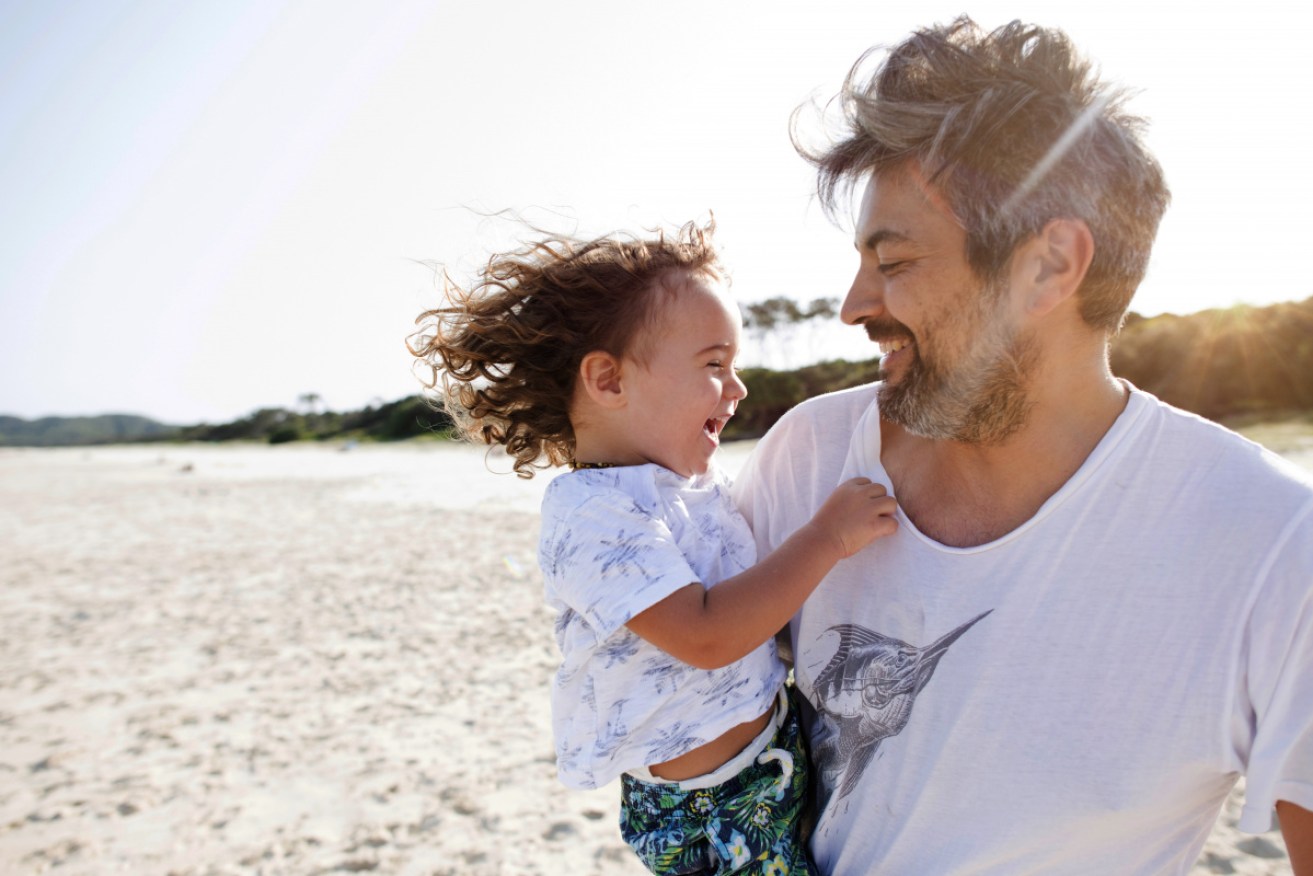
x=221, y=205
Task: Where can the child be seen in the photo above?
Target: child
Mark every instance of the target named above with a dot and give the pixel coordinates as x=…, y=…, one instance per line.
x=616, y=357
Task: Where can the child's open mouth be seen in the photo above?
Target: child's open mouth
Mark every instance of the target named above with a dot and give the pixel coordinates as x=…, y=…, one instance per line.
x=713, y=428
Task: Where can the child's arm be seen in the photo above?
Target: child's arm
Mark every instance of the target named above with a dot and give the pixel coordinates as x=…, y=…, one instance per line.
x=711, y=628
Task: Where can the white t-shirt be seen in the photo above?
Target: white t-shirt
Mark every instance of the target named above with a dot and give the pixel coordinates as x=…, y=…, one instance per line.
x=615, y=542
x=1078, y=696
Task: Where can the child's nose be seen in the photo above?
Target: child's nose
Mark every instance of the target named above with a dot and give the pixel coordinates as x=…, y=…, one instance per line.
x=735, y=387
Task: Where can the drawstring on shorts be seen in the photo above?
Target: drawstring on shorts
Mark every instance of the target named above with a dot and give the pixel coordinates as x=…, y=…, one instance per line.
x=785, y=760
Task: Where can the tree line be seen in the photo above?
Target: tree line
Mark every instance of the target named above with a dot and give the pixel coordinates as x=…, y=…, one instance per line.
x=1232, y=364
x=1235, y=363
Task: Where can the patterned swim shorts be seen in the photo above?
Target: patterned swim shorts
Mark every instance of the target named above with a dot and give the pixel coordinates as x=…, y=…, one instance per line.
x=750, y=824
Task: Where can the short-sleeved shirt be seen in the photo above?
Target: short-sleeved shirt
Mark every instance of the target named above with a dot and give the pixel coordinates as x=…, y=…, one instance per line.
x=614, y=543
x=1077, y=696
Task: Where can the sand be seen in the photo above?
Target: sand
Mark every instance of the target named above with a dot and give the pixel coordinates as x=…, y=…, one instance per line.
x=296, y=660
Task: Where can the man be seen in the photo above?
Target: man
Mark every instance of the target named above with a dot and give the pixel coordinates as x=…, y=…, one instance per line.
x=1098, y=611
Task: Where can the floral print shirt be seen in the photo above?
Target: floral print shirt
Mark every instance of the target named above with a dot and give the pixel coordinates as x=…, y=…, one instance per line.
x=615, y=542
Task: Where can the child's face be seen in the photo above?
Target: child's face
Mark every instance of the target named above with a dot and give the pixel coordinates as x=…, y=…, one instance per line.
x=685, y=391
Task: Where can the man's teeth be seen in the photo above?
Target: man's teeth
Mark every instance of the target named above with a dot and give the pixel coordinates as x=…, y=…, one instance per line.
x=887, y=347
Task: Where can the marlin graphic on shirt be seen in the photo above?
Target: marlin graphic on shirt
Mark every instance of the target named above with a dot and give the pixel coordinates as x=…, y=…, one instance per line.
x=865, y=695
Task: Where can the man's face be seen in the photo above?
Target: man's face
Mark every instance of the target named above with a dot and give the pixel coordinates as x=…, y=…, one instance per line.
x=955, y=364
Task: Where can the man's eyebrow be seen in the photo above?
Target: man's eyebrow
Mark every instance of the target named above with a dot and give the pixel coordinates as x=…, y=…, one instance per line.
x=883, y=235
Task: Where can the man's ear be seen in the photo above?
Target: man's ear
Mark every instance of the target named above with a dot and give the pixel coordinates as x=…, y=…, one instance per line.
x=1053, y=264
x=600, y=379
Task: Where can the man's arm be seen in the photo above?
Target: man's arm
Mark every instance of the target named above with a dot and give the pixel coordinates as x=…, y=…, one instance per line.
x=1297, y=829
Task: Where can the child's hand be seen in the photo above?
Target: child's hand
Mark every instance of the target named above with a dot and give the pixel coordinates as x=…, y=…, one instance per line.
x=856, y=514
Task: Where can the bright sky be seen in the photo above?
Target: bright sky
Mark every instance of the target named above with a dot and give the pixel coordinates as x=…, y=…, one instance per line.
x=211, y=207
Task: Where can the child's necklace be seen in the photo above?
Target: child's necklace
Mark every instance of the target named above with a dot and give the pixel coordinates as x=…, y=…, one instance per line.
x=576, y=465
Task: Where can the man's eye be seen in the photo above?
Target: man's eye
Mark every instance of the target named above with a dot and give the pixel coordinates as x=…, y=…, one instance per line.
x=890, y=267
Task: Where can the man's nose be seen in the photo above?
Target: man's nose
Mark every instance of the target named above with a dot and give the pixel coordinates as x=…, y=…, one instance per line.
x=865, y=298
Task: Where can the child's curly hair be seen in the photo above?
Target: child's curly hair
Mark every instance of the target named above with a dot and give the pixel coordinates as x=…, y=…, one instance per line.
x=503, y=356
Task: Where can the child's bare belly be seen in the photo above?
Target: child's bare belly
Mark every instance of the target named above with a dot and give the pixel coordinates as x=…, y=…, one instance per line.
x=714, y=754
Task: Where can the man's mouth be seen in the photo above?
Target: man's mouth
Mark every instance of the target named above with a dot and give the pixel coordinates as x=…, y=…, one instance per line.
x=895, y=355
x=888, y=347
x=890, y=334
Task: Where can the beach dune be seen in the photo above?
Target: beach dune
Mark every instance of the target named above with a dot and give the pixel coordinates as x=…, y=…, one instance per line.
x=298, y=660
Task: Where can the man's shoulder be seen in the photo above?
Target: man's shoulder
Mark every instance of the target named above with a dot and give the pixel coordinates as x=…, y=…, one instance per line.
x=1201, y=443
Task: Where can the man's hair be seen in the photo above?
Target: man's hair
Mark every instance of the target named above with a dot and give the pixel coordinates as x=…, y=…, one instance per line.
x=1016, y=130
x=502, y=356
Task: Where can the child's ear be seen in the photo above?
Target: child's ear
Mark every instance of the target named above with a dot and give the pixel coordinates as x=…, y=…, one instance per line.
x=1054, y=263
x=599, y=376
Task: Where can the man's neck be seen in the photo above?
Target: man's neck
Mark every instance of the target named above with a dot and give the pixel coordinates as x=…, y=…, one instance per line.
x=964, y=495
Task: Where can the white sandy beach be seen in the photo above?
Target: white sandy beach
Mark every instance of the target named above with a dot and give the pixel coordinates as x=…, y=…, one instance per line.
x=296, y=660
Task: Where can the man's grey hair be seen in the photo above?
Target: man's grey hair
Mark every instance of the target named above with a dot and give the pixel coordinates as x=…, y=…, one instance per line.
x=1014, y=128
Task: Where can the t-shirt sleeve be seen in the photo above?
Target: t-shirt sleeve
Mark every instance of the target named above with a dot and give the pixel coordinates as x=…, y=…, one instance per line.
x=608, y=560
x=766, y=488
x=1279, y=681
x=748, y=491
x=796, y=466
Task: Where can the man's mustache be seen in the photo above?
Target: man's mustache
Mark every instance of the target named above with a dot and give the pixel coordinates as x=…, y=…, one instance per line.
x=886, y=329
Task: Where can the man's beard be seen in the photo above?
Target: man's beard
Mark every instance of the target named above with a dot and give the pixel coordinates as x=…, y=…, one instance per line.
x=978, y=399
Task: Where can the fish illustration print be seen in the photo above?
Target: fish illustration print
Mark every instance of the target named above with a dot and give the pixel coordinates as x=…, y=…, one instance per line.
x=865, y=695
